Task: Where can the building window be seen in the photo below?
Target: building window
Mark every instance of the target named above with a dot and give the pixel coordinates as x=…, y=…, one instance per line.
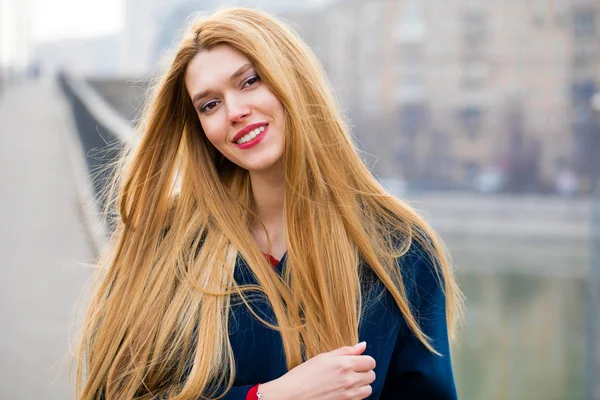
x=370, y=93
x=369, y=62
x=538, y=21
x=471, y=120
x=475, y=32
x=411, y=80
x=475, y=73
x=413, y=118
x=475, y=35
x=584, y=23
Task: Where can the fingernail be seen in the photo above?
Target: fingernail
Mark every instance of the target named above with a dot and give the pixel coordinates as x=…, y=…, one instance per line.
x=360, y=344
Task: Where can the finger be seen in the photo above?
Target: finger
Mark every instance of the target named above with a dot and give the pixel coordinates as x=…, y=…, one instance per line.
x=349, y=350
x=361, y=363
x=365, y=391
x=365, y=378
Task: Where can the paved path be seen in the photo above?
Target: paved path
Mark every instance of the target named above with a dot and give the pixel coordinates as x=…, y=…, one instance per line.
x=43, y=246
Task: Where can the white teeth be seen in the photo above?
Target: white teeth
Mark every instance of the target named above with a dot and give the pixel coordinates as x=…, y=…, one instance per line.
x=251, y=135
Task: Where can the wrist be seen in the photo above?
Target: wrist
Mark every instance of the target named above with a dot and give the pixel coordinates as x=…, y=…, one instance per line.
x=273, y=390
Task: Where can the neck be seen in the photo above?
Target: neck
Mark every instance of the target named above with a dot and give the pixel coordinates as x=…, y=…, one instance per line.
x=268, y=191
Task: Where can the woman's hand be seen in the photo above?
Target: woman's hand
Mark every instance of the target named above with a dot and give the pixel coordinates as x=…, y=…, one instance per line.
x=342, y=374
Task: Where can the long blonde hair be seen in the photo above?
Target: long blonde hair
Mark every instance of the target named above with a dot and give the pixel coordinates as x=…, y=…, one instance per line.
x=158, y=321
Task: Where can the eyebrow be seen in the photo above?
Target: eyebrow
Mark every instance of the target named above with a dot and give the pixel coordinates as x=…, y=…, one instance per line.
x=235, y=75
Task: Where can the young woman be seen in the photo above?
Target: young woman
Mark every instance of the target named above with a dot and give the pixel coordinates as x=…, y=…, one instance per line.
x=254, y=248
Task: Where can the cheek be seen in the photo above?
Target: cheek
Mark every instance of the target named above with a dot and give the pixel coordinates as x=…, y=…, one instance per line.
x=268, y=101
x=214, y=132
x=212, y=137
x=276, y=106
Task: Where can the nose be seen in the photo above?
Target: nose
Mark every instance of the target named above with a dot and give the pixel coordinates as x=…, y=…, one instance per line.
x=237, y=110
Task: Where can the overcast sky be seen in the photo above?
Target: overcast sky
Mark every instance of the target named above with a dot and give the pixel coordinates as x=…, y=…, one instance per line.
x=24, y=23
x=58, y=19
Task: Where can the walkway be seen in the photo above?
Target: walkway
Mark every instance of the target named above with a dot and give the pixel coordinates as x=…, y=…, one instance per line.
x=43, y=245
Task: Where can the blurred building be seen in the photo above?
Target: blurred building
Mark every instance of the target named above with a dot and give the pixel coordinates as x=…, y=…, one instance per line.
x=447, y=94
x=15, y=34
x=455, y=89
x=95, y=56
x=144, y=21
x=152, y=27
x=585, y=81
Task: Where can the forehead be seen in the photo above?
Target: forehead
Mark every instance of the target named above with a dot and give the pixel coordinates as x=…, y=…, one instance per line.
x=216, y=65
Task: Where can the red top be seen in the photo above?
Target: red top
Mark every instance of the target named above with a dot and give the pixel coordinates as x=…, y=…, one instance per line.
x=254, y=389
x=272, y=260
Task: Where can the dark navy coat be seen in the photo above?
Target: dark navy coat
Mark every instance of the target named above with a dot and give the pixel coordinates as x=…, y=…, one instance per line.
x=405, y=369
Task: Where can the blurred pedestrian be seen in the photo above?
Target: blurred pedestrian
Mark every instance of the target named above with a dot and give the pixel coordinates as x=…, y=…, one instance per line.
x=253, y=247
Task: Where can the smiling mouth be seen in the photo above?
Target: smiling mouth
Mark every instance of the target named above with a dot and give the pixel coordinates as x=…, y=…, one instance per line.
x=251, y=135
x=252, y=138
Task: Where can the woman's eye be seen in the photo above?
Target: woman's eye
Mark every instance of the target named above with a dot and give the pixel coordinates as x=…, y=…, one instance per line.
x=250, y=81
x=208, y=106
x=212, y=104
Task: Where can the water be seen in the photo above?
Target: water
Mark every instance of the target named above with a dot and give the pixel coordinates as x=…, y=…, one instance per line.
x=522, y=262
x=523, y=338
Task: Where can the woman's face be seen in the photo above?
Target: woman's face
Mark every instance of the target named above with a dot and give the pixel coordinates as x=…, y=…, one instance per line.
x=239, y=114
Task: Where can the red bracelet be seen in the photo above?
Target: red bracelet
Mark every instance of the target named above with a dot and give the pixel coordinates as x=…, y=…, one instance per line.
x=253, y=393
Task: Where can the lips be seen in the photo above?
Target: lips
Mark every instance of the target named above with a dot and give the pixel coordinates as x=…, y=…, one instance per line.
x=255, y=141
x=247, y=129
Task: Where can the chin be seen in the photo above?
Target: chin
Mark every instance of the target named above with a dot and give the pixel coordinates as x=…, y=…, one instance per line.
x=261, y=167
x=261, y=163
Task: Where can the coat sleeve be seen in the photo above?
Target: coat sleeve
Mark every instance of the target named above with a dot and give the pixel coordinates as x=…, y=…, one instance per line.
x=238, y=393
x=415, y=372
x=235, y=393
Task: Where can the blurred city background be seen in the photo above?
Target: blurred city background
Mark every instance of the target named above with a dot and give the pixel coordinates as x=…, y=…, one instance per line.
x=484, y=115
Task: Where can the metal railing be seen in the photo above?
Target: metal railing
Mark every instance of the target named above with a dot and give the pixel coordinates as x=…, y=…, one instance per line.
x=101, y=134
